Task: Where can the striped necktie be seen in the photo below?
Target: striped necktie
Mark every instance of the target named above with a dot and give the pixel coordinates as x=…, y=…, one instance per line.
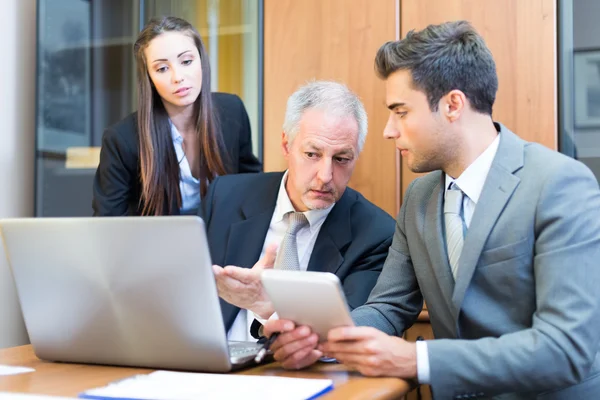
x=455, y=226
x=287, y=255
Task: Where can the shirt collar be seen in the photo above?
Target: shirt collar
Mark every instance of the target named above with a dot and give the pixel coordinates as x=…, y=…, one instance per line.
x=284, y=206
x=473, y=178
x=175, y=135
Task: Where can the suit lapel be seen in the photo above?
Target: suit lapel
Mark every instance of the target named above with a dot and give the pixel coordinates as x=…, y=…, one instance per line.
x=246, y=237
x=334, y=235
x=497, y=190
x=435, y=241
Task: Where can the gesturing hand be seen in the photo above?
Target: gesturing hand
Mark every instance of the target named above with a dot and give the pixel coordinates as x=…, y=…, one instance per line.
x=242, y=287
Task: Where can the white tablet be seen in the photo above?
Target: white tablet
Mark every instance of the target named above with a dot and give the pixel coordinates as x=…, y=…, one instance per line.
x=315, y=299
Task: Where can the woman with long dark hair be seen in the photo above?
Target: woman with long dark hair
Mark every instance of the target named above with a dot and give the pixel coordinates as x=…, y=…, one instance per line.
x=161, y=159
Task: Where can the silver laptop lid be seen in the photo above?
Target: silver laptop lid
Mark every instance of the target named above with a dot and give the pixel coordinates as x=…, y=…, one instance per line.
x=135, y=291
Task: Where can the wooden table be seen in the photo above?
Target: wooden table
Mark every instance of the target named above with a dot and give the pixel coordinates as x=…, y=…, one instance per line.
x=62, y=379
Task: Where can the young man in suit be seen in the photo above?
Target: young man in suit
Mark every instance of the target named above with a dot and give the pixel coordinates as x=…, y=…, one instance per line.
x=307, y=212
x=501, y=239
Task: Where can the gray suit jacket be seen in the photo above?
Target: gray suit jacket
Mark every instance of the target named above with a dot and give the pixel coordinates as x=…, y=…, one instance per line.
x=523, y=317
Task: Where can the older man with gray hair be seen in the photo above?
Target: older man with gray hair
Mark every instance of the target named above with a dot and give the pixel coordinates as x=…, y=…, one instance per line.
x=305, y=218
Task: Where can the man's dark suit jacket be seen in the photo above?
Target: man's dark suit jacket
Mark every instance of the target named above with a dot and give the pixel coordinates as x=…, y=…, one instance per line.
x=117, y=185
x=353, y=241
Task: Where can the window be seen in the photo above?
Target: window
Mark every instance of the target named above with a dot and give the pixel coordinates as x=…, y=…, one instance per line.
x=579, y=81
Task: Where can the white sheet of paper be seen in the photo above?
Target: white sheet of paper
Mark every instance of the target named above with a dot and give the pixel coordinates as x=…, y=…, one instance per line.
x=168, y=385
x=22, y=396
x=10, y=370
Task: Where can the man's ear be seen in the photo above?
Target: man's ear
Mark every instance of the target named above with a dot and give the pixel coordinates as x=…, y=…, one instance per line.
x=453, y=104
x=285, y=144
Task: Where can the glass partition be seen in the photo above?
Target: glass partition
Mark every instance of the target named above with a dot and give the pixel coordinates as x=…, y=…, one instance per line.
x=579, y=81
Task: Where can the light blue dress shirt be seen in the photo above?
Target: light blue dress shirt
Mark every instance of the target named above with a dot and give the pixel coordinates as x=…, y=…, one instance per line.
x=188, y=185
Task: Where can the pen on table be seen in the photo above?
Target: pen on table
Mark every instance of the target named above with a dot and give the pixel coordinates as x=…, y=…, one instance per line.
x=263, y=351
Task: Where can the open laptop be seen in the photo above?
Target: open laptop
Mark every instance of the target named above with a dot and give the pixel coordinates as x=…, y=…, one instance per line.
x=130, y=291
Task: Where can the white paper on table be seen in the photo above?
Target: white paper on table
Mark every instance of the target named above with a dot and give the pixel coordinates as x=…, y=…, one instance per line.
x=168, y=385
x=10, y=370
x=23, y=396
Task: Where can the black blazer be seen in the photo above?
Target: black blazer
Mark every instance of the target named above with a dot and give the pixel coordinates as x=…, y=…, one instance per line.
x=117, y=185
x=353, y=241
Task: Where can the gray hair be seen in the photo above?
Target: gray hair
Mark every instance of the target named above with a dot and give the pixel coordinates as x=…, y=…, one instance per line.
x=332, y=97
x=442, y=58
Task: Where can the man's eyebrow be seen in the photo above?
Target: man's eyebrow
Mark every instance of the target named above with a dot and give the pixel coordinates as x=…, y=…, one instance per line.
x=313, y=146
x=344, y=152
x=164, y=59
x=395, y=105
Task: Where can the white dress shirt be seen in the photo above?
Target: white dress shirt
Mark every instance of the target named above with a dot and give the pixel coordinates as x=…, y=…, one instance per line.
x=305, y=238
x=471, y=183
x=188, y=185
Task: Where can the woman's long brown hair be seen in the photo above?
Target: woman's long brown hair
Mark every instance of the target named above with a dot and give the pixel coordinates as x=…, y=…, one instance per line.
x=159, y=167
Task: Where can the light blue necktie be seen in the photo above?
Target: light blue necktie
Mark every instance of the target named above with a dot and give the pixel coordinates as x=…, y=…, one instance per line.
x=455, y=226
x=287, y=255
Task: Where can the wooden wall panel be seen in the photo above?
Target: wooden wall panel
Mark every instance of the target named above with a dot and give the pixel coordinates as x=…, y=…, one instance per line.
x=522, y=38
x=337, y=40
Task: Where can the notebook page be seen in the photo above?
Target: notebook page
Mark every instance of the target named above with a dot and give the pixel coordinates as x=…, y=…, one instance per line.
x=168, y=385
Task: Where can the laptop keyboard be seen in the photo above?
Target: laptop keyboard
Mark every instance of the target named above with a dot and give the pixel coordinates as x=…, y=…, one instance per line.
x=240, y=352
x=243, y=349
